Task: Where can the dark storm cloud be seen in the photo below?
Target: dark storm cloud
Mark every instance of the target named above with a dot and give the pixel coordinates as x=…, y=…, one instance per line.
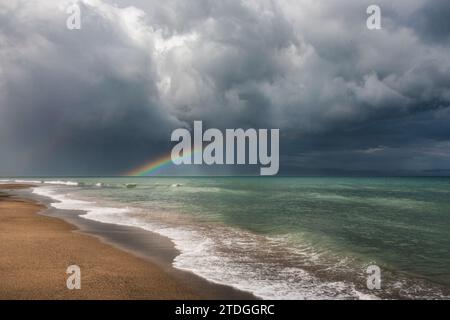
x=76, y=101
x=432, y=21
x=105, y=98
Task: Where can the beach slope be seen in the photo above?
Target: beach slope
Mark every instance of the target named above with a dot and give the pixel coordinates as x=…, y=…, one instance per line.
x=36, y=251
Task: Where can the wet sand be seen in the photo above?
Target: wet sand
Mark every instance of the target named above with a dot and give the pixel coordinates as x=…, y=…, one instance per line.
x=116, y=262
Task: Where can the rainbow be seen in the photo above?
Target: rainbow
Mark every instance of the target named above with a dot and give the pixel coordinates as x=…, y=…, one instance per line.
x=153, y=166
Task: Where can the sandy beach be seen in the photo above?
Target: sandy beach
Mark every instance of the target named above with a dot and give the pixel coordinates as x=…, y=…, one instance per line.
x=36, y=251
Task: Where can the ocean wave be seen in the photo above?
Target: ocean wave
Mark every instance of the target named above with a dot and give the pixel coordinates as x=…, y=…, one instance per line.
x=275, y=267
x=289, y=265
x=65, y=202
x=62, y=182
x=21, y=181
x=234, y=258
x=71, y=183
x=175, y=185
x=56, y=182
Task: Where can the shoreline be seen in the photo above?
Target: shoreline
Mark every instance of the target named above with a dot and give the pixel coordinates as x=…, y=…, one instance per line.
x=143, y=258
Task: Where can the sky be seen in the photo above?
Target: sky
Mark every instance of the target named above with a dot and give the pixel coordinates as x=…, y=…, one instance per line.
x=104, y=99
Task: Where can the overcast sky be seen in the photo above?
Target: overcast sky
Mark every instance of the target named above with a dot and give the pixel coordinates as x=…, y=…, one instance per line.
x=103, y=99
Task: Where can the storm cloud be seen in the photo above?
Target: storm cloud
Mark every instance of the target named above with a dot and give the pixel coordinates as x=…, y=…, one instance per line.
x=103, y=99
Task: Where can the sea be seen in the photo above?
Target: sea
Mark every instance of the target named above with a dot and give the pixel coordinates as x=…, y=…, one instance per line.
x=285, y=237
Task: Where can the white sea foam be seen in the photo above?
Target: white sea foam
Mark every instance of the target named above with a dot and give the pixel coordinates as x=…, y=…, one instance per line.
x=26, y=181
x=61, y=182
x=65, y=202
x=54, y=182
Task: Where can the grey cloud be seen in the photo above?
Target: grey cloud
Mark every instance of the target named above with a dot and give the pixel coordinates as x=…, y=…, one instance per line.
x=432, y=22
x=87, y=98
x=106, y=97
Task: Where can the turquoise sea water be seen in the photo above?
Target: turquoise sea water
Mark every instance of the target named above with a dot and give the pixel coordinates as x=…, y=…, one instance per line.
x=287, y=237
